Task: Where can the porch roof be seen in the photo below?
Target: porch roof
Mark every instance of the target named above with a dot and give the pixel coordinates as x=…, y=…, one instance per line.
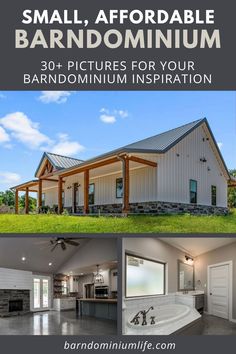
x=28, y=184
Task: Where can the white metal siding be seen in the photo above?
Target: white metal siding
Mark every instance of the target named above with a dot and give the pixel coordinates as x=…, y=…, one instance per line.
x=51, y=197
x=174, y=172
x=15, y=279
x=143, y=187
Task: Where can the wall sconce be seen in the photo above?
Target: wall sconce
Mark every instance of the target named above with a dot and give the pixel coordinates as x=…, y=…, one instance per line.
x=203, y=159
x=208, y=168
x=188, y=260
x=69, y=187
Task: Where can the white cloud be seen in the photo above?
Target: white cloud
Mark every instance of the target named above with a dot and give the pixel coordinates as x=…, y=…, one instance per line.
x=9, y=178
x=24, y=130
x=54, y=96
x=220, y=145
x=4, y=137
x=66, y=147
x=110, y=117
x=121, y=113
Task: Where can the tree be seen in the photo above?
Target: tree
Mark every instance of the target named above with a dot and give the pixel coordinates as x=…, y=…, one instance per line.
x=7, y=198
x=32, y=203
x=232, y=192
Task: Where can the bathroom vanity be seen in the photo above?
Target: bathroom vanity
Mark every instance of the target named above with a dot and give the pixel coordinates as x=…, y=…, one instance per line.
x=193, y=298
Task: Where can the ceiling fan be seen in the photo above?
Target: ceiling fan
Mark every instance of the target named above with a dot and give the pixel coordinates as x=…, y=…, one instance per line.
x=63, y=242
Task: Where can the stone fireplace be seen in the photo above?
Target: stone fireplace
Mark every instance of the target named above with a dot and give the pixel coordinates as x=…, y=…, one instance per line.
x=14, y=302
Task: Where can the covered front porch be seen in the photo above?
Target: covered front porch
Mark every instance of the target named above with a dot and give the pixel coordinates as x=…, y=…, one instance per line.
x=89, y=187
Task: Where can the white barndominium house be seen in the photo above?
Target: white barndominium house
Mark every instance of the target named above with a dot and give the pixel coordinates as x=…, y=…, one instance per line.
x=181, y=170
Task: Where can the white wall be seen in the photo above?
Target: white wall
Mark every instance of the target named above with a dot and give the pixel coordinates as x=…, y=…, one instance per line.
x=51, y=197
x=15, y=279
x=143, y=186
x=175, y=172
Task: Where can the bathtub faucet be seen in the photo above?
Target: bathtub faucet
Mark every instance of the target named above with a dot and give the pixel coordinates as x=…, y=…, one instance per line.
x=144, y=314
x=135, y=319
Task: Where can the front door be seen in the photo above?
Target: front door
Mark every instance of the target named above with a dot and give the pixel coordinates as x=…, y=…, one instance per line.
x=41, y=293
x=75, y=197
x=219, y=291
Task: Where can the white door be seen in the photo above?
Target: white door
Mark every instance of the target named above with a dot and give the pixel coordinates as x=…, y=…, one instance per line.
x=41, y=293
x=219, y=291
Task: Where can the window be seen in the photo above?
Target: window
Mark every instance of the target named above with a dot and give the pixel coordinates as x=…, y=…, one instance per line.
x=91, y=193
x=144, y=277
x=193, y=191
x=213, y=195
x=64, y=287
x=119, y=188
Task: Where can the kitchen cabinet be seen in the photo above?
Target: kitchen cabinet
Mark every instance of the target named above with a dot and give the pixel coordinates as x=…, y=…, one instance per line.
x=99, y=308
x=73, y=285
x=64, y=304
x=114, y=280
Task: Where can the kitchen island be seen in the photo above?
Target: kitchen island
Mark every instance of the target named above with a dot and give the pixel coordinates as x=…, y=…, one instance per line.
x=100, y=308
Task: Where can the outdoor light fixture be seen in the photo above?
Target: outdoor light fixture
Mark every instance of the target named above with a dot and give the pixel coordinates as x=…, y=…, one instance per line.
x=203, y=159
x=188, y=260
x=50, y=263
x=23, y=259
x=98, y=277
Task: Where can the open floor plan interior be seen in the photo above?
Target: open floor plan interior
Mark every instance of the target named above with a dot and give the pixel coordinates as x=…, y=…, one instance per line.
x=179, y=286
x=58, y=286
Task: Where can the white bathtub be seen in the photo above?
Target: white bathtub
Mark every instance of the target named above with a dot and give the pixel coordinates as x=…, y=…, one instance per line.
x=168, y=319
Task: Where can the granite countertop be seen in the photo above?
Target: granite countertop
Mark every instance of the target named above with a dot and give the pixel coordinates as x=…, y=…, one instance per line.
x=110, y=301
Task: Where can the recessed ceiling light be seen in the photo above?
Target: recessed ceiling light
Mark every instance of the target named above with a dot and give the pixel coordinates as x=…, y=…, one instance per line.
x=50, y=263
x=23, y=259
x=81, y=273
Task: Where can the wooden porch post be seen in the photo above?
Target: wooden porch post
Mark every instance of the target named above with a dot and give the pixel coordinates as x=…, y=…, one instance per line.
x=126, y=185
x=60, y=195
x=27, y=200
x=86, y=191
x=16, y=201
x=40, y=194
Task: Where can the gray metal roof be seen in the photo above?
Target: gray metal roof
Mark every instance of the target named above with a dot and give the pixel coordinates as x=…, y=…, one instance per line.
x=164, y=141
x=159, y=143
x=59, y=162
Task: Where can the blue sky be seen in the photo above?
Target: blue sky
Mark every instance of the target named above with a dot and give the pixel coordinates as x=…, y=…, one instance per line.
x=86, y=124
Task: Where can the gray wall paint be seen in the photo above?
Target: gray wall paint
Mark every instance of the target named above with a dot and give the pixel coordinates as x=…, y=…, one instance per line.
x=158, y=250
x=222, y=254
x=96, y=251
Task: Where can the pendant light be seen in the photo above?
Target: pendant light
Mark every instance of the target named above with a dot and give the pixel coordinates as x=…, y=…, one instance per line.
x=98, y=277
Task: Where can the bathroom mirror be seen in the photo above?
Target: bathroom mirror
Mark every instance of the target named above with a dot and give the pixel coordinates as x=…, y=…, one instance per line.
x=185, y=276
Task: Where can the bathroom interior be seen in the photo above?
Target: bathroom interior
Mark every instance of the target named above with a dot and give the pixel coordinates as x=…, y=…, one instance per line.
x=179, y=286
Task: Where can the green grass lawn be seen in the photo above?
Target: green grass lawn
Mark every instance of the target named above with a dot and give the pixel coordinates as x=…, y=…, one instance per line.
x=132, y=224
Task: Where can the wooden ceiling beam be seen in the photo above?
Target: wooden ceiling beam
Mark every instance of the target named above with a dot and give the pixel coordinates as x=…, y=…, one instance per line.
x=142, y=161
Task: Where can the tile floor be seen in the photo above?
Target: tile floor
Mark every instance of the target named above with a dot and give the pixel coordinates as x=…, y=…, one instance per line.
x=56, y=323
x=217, y=326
